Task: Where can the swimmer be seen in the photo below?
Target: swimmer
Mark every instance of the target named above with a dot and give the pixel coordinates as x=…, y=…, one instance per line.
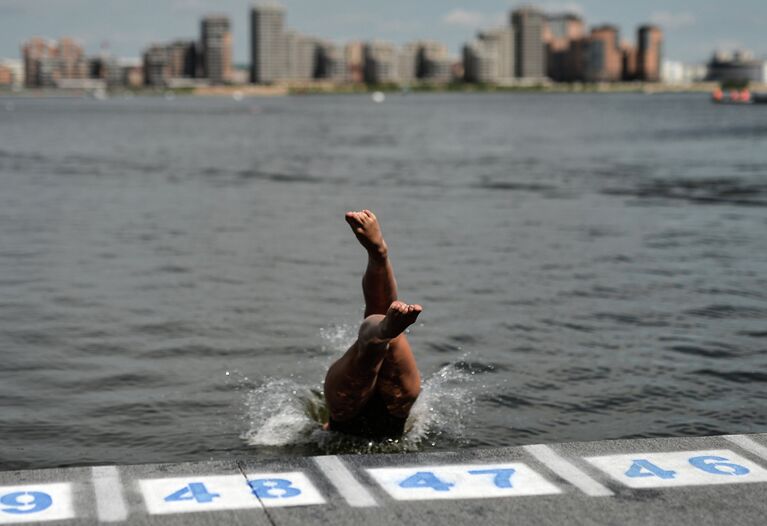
x=371, y=389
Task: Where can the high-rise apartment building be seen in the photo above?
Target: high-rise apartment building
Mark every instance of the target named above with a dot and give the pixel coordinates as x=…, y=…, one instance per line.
x=604, y=60
x=501, y=42
x=530, y=61
x=433, y=62
x=330, y=62
x=267, y=44
x=381, y=63
x=407, y=63
x=46, y=63
x=563, y=36
x=33, y=52
x=216, y=48
x=183, y=59
x=630, y=58
x=354, y=57
x=650, y=53
x=480, y=62
x=156, y=65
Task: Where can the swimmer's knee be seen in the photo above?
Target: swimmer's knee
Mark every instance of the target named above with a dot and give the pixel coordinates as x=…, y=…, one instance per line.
x=368, y=328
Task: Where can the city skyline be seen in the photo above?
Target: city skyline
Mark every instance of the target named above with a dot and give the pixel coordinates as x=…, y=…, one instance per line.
x=444, y=21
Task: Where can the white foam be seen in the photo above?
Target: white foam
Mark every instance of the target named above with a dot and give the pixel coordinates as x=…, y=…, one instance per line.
x=283, y=412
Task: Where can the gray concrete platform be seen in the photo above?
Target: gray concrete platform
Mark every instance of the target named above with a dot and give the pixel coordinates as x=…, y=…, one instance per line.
x=683, y=481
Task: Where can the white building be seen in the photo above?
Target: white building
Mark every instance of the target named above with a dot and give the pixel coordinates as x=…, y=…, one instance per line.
x=674, y=72
x=480, y=62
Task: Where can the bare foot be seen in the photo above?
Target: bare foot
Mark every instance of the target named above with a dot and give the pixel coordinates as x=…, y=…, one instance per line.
x=365, y=226
x=399, y=317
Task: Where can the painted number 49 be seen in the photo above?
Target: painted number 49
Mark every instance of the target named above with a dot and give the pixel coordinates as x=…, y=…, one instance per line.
x=23, y=502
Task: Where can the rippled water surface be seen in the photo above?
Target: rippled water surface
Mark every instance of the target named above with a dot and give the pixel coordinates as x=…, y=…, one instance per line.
x=176, y=275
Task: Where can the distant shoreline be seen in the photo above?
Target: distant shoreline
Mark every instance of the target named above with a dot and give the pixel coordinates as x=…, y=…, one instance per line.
x=331, y=89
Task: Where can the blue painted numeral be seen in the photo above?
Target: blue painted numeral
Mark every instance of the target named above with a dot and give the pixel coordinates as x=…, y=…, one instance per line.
x=426, y=479
x=502, y=477
x=273, y=488
x=718, y=466
x=194, y=491
x=22, y=502
x=644, y=468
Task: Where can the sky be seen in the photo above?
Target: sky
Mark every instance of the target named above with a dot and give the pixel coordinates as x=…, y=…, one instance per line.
x=694, y=28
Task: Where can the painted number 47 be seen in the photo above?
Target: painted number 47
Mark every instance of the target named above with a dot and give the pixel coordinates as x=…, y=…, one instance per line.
x=427, y=479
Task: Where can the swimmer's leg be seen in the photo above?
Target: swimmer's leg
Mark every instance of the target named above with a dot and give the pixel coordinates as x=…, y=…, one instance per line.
x=399, y=382
x=378, y=284
x=353, y=379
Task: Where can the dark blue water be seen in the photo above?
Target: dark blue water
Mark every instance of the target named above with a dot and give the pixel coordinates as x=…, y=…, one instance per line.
x=176, y=275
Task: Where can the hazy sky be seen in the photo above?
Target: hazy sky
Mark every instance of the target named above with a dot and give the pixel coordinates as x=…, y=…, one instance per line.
x=694, y=28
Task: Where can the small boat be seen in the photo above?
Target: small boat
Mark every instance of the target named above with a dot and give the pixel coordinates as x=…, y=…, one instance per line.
x=742, y=96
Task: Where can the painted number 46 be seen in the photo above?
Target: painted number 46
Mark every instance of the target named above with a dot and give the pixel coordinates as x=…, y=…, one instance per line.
x=715, y=465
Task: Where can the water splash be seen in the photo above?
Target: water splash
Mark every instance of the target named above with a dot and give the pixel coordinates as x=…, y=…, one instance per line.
x=284, y=412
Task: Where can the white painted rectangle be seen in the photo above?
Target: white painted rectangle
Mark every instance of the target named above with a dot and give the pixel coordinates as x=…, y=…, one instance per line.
x=465, y=481
x=680, y=468
x=36, y=503
x=354, y=493
x=284, y=489
x=194, y=493
x=110, y=502
x=549, y=458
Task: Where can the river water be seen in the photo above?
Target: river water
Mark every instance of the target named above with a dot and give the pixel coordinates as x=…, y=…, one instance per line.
x=176, y=275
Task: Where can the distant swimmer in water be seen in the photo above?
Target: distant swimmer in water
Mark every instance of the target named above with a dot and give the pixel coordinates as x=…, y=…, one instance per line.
x=371, y=389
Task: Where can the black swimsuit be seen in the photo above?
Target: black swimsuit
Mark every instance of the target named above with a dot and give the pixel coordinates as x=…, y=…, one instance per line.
x=374, y=421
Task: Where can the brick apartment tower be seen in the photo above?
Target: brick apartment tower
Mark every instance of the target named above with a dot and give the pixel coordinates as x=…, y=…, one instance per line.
x=650, y=53
x=564, y=36
x=604, y=61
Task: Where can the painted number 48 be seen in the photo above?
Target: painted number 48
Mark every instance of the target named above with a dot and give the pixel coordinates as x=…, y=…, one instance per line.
x=714, y=465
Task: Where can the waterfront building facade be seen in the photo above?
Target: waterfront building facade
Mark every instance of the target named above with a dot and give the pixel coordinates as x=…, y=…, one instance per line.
x=216, y=49
x=563, y=36
x=530, y=57
x=433, y=62
x=183, y=59
x=480, y=62
x=604, y=61
x=381, y=63
x=500, y=42
x=354, y=58
x=330, y=62
x=629, y=62
x=267, y=44
x=650, y=53
x=407, y=64
x=156, y=65
x=47, y=63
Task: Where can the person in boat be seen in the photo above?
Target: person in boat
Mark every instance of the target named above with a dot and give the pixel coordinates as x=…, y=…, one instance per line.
x=372, y=387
